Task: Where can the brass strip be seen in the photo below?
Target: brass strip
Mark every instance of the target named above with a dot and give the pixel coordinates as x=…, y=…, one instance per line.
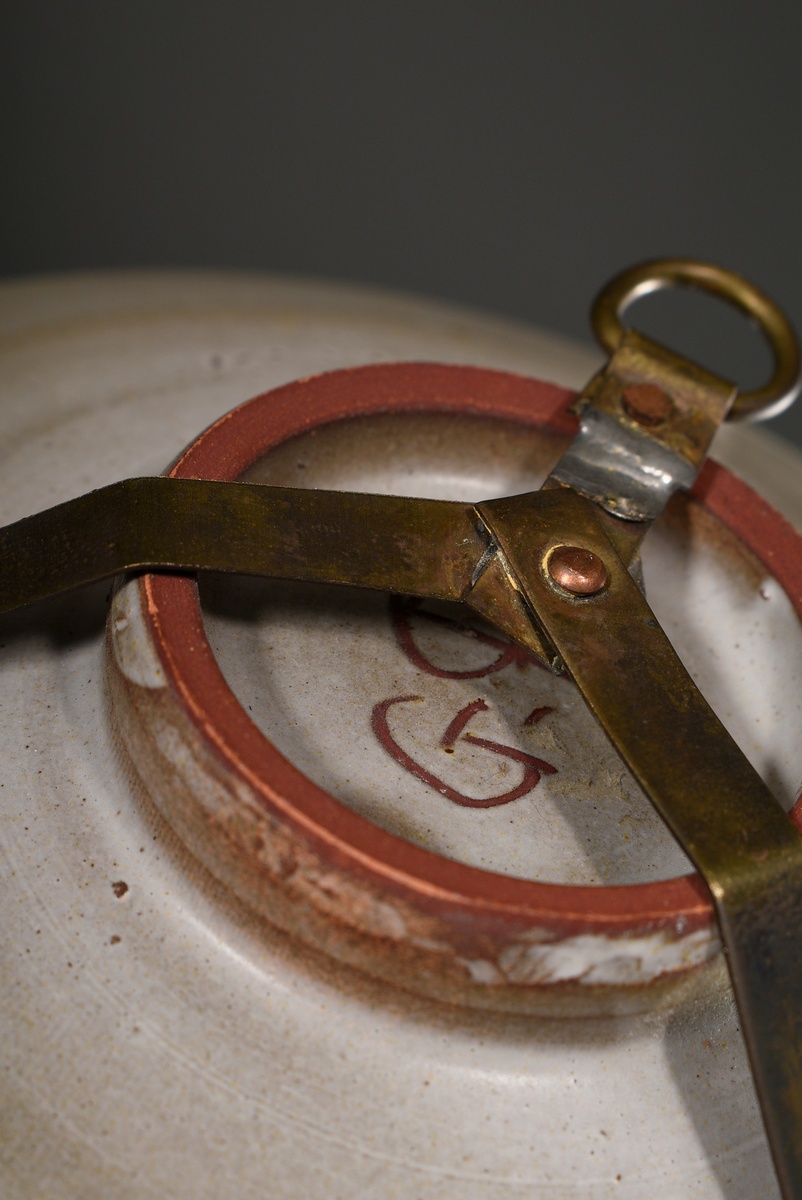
x=422, y=547
x=745, y=846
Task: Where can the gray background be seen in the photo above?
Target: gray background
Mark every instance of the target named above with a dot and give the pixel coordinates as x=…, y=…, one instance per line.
x=507, y=155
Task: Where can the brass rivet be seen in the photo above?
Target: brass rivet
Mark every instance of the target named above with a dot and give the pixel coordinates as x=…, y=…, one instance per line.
x=577, y=570
x=647, y=404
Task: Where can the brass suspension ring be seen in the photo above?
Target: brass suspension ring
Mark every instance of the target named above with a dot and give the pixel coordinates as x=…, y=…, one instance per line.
x=613, y=300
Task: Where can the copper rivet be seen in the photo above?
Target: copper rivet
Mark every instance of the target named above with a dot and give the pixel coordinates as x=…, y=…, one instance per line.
x=647, y=404
x=577, y=570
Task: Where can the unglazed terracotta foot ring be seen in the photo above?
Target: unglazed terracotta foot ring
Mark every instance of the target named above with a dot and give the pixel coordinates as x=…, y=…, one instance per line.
x=329, y=876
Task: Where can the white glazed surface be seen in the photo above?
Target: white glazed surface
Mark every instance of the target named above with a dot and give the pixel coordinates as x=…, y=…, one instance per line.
x=162, y=1042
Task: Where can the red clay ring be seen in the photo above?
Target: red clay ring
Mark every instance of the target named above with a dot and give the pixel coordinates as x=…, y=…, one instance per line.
x=480, y=902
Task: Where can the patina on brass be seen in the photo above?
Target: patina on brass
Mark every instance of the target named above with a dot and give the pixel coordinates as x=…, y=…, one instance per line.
x=555, y=570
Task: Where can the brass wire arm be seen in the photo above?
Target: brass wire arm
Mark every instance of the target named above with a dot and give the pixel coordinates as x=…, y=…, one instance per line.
x=646, y=422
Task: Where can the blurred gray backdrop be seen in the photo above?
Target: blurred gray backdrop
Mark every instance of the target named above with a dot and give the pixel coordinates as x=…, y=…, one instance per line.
x=507, y=155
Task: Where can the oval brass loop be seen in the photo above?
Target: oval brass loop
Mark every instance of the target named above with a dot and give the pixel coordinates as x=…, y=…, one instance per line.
x=613, y=300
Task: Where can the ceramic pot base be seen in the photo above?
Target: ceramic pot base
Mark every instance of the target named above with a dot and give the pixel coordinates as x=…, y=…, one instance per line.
x=293, y=736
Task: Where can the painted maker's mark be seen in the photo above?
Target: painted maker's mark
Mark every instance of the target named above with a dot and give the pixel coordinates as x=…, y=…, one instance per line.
x=533, y=767
x=402, y=608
